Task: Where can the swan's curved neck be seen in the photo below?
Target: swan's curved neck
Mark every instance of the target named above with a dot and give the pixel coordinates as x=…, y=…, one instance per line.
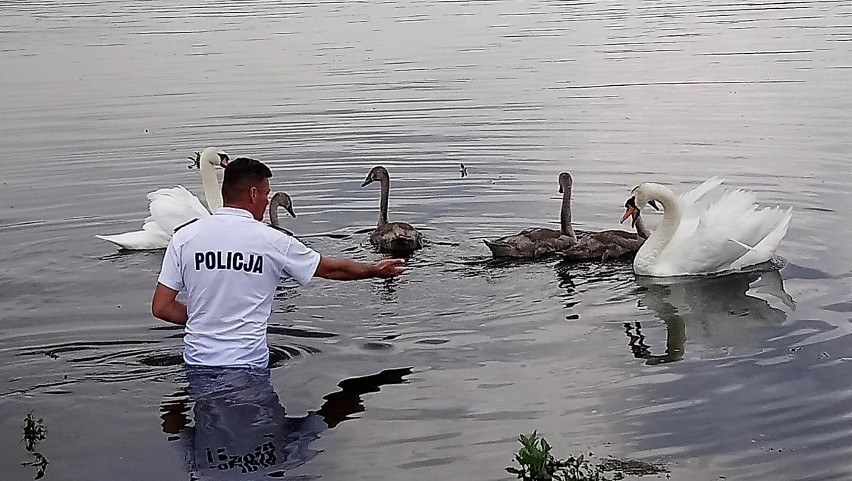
x=661, y=237
x=641, y=228
x=383, y=206
x=565, y=214
x=212, y=191
x=273, y=214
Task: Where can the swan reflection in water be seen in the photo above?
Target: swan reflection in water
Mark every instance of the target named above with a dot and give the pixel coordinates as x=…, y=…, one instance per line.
x=721, y=310
x=241, y=430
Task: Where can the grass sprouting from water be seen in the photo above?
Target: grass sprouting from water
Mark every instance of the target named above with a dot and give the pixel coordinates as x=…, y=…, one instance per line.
x=537, y=463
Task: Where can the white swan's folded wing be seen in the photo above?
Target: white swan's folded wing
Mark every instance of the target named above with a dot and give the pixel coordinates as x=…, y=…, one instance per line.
x=150, y=237
x=773, y=224
x=725, y=231
x=173, y=207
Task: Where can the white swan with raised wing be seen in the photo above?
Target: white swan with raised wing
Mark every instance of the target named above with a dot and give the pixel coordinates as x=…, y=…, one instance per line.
x=708, y=230
x=172, y=207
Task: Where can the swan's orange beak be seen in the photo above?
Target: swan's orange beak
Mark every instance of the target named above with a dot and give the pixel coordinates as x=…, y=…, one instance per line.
x=629, y=213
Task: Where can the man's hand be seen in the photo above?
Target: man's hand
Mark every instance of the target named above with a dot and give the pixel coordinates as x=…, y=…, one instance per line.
x=389, y=267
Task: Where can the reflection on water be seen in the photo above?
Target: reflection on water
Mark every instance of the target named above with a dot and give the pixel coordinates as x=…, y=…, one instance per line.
x=720, y=310
x=340, y=405
x=675, y=339
x=241, y=428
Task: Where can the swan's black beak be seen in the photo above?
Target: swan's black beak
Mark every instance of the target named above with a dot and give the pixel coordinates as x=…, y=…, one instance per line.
x=630, y=210
x=560, y=189
x=223, y=160
x=653, y=204
x=290, y=210
x=368, y=181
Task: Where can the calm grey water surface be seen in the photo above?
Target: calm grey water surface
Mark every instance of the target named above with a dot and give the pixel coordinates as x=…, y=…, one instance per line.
x=746, y=377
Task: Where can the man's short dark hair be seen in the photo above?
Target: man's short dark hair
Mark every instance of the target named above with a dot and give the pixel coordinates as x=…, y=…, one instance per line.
x=242, y=174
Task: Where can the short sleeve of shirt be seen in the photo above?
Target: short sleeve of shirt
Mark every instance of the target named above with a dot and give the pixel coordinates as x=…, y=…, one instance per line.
x=300, y=262
x=170, y=274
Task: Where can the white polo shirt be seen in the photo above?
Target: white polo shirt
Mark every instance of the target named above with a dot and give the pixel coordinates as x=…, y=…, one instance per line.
x=229, y=264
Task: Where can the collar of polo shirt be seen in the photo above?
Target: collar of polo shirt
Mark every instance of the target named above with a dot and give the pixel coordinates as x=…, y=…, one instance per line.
x=233, y=211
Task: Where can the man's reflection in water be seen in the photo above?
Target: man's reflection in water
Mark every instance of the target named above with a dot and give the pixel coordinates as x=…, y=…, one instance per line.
x=241, y=430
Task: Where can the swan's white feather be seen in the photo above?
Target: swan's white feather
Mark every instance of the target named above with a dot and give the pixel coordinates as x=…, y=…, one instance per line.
x=695, y=196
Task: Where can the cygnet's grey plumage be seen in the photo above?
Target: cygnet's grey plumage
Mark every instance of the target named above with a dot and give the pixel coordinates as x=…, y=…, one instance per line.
x=395, y=237
x=538, y=242
x=280, y=199
x=607, y=244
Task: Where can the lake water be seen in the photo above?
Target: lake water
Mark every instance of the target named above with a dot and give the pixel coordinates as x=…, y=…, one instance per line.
x=432, y=375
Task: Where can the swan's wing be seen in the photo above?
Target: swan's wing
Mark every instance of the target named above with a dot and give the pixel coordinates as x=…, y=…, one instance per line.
x=702, y=196
x=602, y=245
x=714, y=218
x=776, y=221
x=150, y=237
x=175, y=206
x=183, y=196
x=739, y=216
x=722, y=231
x=169, y=208
x=529, y=243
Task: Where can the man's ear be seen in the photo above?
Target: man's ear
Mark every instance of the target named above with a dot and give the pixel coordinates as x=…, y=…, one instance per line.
x=253, y=193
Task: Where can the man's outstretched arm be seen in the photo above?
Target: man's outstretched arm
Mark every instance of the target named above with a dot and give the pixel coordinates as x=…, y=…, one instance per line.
x=348, y=270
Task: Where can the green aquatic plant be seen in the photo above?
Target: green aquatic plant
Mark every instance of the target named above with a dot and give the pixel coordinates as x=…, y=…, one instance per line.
x=538, y=464
x=34, y=433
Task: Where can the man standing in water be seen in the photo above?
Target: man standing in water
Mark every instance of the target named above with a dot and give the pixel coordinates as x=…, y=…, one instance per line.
x=230, y=265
